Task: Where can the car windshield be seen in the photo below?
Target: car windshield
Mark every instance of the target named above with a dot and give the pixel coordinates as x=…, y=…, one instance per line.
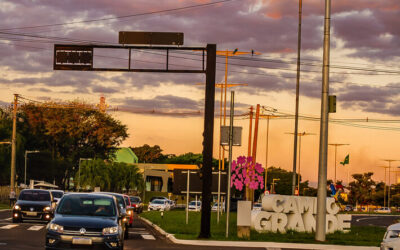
x=393, y=234
x=135, y=199
x=34, y=195
x=87, y=206
x=158, y=202
x=193, y=203
x=57, y=194
x=127, y=202
x=257, y=205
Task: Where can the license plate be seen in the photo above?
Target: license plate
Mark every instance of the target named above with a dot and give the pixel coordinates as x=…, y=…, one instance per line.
x=31, y=213
x=82, y=241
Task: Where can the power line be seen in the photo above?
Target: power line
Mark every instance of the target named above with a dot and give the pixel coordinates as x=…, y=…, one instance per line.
x=120, y=17
x=62, y=39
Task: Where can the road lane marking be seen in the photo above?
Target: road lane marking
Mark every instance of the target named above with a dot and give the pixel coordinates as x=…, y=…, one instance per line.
x=371, y=218
x=35, y=228
x=8, y=218
x=139, y=233
x=148, y=237
x=9, y=226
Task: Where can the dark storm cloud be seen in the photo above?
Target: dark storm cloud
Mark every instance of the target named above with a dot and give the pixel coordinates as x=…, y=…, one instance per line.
x=45, y=90
x=161, y=102
x=105, y=90
x=369, y=98
x=369, y=27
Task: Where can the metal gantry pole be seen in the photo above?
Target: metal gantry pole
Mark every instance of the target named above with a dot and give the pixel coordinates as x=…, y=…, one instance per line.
x=320, y=232
x=296, y=117
x=208, y=134
x=228, y=197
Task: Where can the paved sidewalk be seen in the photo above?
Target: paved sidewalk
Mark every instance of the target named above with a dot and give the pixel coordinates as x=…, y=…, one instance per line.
x=266, y=245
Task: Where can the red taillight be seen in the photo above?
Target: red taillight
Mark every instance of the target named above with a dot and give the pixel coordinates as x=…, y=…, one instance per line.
x=134, y=205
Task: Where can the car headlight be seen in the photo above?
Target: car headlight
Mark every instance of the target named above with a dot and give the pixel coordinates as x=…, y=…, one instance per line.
x=56, y=228
x=129, y=212
x=110, y=230
x=16, y=207
x=47, y=209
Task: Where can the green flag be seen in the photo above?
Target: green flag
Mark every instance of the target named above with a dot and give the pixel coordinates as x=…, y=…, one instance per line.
x=346, y=160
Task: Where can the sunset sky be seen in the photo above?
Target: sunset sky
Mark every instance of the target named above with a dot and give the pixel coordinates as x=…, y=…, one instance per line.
x=364, y=73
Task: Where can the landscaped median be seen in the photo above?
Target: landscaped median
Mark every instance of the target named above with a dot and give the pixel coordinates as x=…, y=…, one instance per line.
x=174, y=222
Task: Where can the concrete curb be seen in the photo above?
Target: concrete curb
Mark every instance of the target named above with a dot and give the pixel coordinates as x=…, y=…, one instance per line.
x=260, y=244
x=377, y=215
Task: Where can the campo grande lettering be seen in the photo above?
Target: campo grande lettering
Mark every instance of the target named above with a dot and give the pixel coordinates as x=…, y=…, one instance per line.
x=284, y=212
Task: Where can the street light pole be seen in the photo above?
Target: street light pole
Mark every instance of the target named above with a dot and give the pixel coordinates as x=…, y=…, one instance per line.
x=14, y=144
x=273, y=184
x=298, y=175
x=384, y=187
x=336, y=145
x=296, y=117
x=79, y=171
x=320, y=232
x=26, y=160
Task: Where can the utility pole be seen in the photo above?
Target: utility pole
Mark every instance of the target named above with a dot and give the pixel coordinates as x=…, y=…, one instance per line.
x=389, y=161
x=250, y=130
x=320, y=232
x=296, y=117
x=14, y=143
x=336, y=145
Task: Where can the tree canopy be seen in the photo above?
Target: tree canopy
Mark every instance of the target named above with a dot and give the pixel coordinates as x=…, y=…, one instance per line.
x=109, y=176
x=63, y=134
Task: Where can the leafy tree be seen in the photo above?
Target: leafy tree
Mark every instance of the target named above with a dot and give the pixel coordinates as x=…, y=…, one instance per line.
x=191, y=158
x=148, y=154
x=71, y=132
x=109, y=176
x=361, y=188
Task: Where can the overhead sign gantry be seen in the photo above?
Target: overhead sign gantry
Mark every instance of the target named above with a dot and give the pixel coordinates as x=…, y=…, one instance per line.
x=81, y=57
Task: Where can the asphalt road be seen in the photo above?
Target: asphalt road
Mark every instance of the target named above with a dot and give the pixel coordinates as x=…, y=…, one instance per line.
x=31, y=235
x=374, y=220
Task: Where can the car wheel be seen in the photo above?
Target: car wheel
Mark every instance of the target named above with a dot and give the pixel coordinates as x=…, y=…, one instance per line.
x=126, y=235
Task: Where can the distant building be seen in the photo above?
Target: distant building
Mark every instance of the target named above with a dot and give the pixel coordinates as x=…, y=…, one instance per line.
x=126, y=155
x=158, y=177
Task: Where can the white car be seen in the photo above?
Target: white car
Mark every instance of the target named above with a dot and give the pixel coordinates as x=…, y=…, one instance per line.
x=194, y=207
x=257, y=207
x=157, y=204
x=214, y=208
x=383, y=210
x=391, y=239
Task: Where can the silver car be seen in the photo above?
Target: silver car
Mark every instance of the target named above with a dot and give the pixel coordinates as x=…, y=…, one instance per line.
x=391, y=239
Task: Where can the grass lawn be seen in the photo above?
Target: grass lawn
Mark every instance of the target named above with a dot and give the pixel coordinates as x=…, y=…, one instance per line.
x=4, y=206
x=174, y=223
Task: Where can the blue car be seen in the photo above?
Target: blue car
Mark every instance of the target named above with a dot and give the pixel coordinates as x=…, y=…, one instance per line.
x=86, y=220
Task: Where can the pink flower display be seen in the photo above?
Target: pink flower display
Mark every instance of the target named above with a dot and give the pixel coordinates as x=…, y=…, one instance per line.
x=246, y=173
